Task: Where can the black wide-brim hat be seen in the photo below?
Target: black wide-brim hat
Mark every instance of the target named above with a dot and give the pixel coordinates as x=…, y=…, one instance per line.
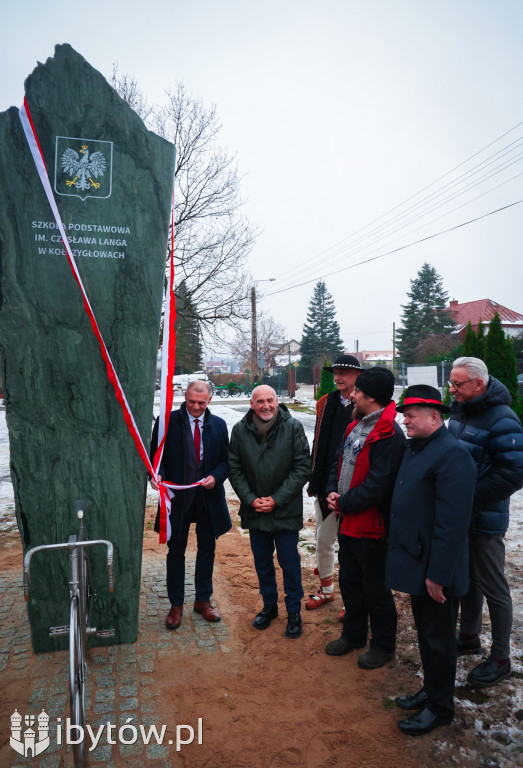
x=344, y=361
x=423, y=394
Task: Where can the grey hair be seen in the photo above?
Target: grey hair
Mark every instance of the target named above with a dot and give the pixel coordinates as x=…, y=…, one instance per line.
x=199, y=385
x=474, y=366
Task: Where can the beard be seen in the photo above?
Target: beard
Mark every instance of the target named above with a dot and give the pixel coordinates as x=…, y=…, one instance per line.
x=357, y=413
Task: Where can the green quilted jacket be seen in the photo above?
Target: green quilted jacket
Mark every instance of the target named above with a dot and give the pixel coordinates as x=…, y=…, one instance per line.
x=279, y=468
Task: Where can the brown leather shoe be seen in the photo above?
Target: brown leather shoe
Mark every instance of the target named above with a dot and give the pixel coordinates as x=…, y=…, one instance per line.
x=174, y=617
x=207, y=611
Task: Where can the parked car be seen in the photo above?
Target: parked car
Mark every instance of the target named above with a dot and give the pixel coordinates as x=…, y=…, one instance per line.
x=181, y=380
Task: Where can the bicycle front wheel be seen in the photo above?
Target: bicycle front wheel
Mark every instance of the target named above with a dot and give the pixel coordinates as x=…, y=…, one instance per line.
x=77, y=683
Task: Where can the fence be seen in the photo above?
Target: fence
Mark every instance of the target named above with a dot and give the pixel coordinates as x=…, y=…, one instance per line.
x=443, y=373
x=283, y=382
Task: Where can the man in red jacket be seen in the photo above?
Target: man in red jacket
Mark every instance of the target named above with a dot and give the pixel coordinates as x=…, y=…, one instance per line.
x=360, y=491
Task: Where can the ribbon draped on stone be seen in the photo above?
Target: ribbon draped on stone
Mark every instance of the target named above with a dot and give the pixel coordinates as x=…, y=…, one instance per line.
x=165, y=488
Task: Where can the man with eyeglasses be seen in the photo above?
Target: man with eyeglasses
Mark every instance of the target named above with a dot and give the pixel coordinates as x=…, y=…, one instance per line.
x=359, y=491
x=333, y=416
x=482, y=419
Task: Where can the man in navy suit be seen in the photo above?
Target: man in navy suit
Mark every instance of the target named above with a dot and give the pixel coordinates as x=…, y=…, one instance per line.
x=195, y=449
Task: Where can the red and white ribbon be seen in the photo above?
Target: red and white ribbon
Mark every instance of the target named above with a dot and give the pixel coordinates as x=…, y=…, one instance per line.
x=168, y=354
x=169, y=340
x=166, y=387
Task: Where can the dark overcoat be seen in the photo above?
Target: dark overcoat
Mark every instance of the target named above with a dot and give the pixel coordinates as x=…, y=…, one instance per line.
x=430, y=516
x=174, y=466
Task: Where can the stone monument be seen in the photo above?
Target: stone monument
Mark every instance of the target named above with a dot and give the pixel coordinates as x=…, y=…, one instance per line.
x=112, y=181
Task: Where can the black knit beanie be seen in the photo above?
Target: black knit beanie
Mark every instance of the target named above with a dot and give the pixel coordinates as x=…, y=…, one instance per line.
x=377, y=382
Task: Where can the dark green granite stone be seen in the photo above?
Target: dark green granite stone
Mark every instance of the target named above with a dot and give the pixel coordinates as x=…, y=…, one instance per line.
x=68, y=438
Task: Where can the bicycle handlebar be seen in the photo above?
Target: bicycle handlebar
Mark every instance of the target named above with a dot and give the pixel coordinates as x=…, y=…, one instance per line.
x=71, y=545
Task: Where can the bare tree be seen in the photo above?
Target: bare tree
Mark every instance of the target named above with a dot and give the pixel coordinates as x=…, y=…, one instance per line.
x=270, y=337
x=434, y=344
x=212, y=238
x=127, y=88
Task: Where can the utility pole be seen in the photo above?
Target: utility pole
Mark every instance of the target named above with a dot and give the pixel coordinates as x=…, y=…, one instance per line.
x=394, y=348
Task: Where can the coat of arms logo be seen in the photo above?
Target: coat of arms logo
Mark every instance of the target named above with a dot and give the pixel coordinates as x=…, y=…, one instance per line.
x=83, y=167
x=27, y=744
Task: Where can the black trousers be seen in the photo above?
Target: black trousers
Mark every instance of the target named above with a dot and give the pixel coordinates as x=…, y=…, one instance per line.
x=365, y=596
x=177, y=544
x=436, y=625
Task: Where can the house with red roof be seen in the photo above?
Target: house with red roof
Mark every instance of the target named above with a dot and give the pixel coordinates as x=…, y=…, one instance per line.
x=375, y=356
x=482, y=311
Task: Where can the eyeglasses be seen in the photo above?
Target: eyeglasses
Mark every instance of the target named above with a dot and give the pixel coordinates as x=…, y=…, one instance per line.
x=459, y=384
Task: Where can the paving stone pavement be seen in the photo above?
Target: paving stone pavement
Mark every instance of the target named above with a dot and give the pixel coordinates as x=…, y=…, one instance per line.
x=120, y=686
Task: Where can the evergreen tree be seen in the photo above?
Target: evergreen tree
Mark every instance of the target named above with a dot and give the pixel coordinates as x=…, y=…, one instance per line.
x=426, y=313
x=321, y=331
x=500, y=358
x=401, y=398
x=470, y=342
x=188, y=340
x=473, y=344
x=480, y=335
x=326, y=382
x=517, y=345
x=447, y=397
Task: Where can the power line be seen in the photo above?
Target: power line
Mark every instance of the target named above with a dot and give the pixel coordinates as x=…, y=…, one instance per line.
x=396, y=250
x=457, y=208
x=411, y=231
x=345, y=252
x=416, y=194
x=449, y=199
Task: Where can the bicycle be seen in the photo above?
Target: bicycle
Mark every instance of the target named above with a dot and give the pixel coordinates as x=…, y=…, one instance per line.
x=79, y=628
x=222, y=391
x=231, y=389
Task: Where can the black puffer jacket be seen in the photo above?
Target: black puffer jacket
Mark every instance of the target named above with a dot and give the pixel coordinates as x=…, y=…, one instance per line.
x=492, y=433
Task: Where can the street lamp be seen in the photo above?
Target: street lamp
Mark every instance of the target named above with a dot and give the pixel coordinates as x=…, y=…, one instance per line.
x=254, y=336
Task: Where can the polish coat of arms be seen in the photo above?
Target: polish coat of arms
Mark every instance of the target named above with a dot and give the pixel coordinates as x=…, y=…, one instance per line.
x=83, y=167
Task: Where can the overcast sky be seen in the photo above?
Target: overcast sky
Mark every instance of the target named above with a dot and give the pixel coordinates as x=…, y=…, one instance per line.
x=338, y=112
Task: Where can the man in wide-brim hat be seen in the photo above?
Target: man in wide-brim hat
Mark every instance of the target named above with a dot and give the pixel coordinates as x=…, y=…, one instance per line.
x=428, y=549
x=333, y=416
x=423, y=394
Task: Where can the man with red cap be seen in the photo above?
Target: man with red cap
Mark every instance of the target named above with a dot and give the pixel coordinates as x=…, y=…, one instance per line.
x=428, y=549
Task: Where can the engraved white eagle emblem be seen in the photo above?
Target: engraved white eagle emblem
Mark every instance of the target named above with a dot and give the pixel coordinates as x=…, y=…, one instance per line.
x=83, y=168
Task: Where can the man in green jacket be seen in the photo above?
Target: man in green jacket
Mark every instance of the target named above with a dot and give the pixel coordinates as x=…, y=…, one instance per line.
x=269, y=463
